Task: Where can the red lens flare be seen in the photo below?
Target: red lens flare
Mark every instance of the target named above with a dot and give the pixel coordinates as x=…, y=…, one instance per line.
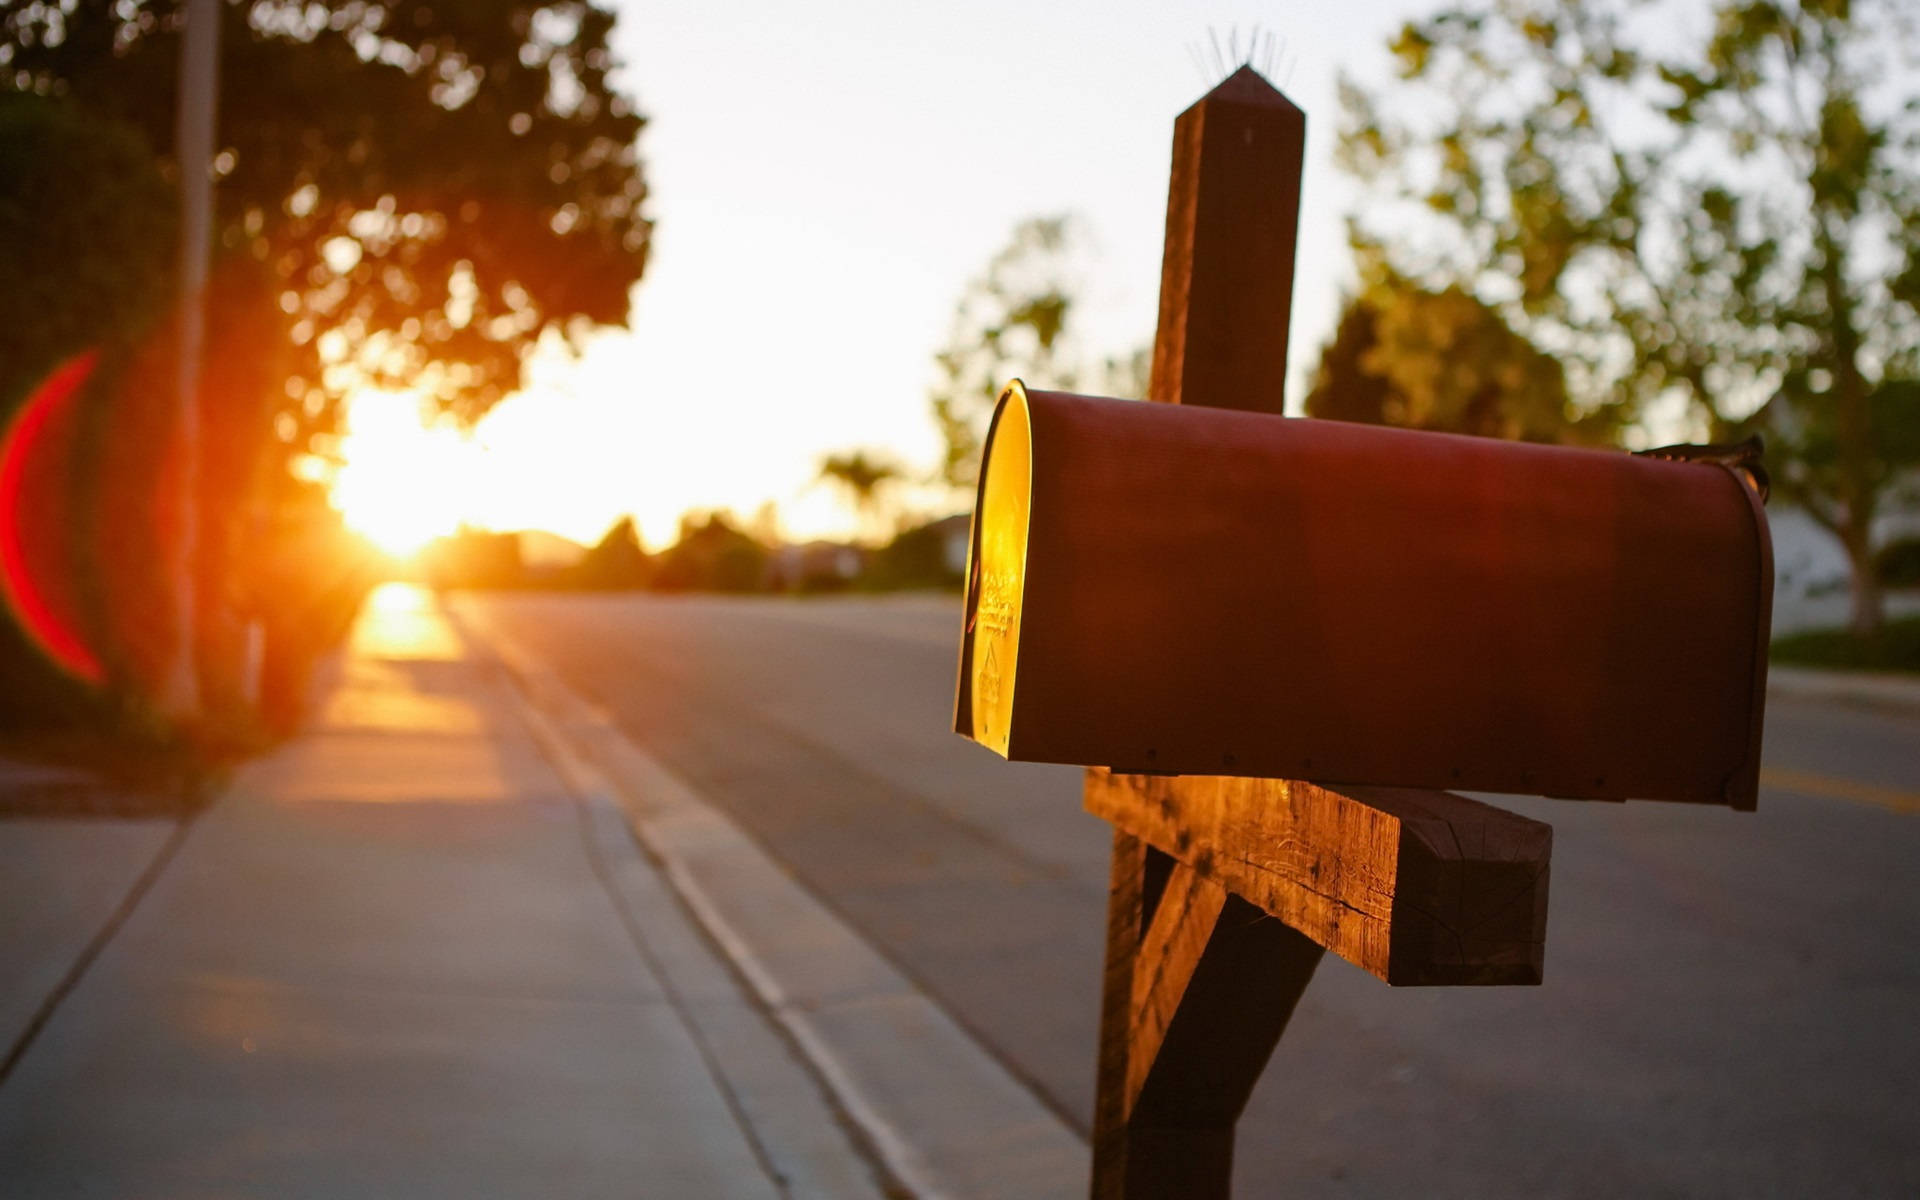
x=37, y=551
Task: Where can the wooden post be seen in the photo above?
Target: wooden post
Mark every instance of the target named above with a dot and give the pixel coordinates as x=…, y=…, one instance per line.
x=1180, y=1048
x=1199, y=986
x=1226, y=274
x=1226, y=891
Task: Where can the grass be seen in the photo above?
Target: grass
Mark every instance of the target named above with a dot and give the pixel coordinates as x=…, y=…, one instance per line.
x=1896, y=649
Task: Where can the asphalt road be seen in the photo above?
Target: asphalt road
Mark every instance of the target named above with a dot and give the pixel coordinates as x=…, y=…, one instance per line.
x=1732, y=1001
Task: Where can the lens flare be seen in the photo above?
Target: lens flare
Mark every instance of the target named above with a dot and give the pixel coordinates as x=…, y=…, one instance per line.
x=37, y=551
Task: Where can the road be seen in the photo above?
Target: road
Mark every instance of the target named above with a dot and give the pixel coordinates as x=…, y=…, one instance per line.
x=1731, y=1005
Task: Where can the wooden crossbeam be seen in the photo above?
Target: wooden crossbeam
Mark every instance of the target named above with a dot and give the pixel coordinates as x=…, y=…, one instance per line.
x=1417, y=887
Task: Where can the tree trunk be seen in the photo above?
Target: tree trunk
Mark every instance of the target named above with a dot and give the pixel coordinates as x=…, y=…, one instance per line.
x=1867, y=615
x=1853, y=436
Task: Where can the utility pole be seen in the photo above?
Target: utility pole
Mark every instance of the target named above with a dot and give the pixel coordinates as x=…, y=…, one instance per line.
x=193, y=152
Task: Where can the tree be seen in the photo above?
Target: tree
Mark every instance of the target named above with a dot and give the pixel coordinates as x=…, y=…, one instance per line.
x=712, y=555
x=615, y=561
x=1444, y=360
x=1011, y=320
x=434, y=186
x=87, y=232
x=864, y=477
x=87, y=228
x=1807, y=439
x=1693, y=225
x=1015, y=320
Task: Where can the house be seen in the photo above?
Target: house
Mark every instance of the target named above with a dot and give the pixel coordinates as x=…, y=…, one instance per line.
x=1812, y=587
x=817, y=566
x=933, y=555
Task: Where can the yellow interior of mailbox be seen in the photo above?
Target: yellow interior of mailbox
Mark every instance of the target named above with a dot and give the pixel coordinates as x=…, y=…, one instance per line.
x=1005, y=495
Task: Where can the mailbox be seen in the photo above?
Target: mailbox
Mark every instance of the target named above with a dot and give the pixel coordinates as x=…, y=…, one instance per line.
x=1170, y=590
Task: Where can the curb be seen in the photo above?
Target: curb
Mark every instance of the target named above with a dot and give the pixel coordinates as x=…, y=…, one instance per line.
x=1866, y=688
x=941, y=1113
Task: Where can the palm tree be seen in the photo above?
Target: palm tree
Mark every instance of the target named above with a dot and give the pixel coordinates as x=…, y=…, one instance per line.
x=864, y=477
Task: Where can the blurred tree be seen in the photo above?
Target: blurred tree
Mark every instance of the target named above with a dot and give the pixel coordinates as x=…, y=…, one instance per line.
x=1343, y=388
x=1802, y=432
x=1010, y=321
x=87, y=229
x=864, y=477
x=1016, y=321
x=87, y=225
x=1899, y=563
x=1127, y=376
x=764, y=525
x=712, y=555
x=1702, y=223
x=1443, y=360
x=615, y=561
x=434, y=185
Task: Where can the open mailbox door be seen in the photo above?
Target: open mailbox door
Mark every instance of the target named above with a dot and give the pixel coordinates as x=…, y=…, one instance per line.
x=1161, y=589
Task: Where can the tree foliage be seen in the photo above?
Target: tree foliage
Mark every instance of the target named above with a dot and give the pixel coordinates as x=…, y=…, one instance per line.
x=87, y=229
x=1445, y=361
x=615, y=561
x=864, y=477
x=1015, y=320
x=713, y=555
x=87, y=232
x=1011, y=320
x=433, y=185
x=1701, y=211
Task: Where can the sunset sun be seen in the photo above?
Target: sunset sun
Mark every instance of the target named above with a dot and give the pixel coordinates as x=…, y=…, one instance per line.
x=401, y=482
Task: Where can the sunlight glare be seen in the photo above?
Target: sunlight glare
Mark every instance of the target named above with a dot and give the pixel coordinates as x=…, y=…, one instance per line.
x=401, y=482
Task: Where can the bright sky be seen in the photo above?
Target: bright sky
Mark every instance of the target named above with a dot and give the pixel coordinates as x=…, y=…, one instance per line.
x=826, y=178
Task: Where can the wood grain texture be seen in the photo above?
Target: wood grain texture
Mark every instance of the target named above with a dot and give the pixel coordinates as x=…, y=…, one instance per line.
x=1213, y=983
x=1132, y=896
x=1183, y=924
x=1417, y=887
x=1226, y=272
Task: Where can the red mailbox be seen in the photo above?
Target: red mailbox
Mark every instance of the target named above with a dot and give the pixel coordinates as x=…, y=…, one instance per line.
x=1161, y=589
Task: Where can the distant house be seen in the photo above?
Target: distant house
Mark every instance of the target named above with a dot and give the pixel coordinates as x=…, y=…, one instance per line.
x=932, y=555
x=1813, y=582
x=953, y=532
x=1812, y=586
x=712, y=555
x=818, y=566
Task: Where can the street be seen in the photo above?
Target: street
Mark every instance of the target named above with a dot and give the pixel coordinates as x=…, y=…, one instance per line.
x=1729, y=1000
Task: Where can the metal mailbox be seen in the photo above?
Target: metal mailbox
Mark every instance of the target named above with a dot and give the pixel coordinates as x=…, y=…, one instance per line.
x=1160, y=589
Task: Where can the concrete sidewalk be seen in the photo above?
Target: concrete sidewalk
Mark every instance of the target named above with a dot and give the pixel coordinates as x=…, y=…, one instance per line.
x=399, y=957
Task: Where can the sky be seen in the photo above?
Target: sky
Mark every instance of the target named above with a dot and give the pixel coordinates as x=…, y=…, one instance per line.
x=826, y=178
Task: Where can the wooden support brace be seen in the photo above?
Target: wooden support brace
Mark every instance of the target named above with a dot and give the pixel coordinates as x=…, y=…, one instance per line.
x=1418, y=887
x=1223, y=893
x=1194, y=1007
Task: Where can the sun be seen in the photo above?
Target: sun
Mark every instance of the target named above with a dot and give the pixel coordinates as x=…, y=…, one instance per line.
x=401, y=482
